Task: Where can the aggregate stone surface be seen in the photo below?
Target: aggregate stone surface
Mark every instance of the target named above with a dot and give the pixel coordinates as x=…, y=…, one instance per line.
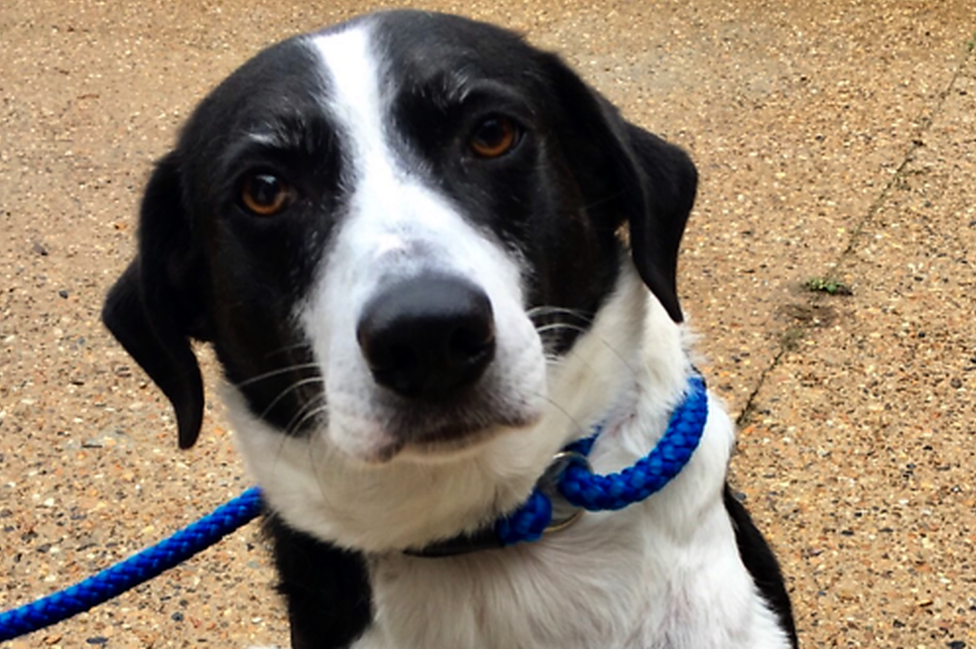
x=835, y=140
x=864, y=434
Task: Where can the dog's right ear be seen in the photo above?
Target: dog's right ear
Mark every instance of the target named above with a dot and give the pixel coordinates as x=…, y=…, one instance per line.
x=156, y=305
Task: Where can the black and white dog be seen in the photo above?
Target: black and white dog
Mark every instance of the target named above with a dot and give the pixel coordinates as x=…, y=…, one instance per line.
x=402, y=236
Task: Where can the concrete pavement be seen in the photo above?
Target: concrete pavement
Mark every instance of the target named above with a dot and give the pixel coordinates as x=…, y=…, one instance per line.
x=836, y=142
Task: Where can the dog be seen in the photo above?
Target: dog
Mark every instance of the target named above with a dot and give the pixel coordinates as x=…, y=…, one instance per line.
x=430, y=258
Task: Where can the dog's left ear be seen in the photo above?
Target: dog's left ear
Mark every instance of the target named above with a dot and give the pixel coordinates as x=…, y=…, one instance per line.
x=628, y=174
x=155, y=306
x=668, y=181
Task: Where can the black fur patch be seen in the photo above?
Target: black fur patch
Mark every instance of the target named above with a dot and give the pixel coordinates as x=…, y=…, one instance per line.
x=326, y=589
x=761, y=563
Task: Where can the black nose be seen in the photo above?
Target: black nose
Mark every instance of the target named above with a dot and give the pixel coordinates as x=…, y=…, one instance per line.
x=428, y=337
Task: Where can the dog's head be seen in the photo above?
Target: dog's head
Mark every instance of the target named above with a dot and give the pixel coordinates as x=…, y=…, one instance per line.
x=390, y=231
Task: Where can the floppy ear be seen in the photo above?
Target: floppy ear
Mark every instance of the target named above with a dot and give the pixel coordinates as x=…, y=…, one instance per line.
x=628, y=174
x=669, y=181
x=155, y=306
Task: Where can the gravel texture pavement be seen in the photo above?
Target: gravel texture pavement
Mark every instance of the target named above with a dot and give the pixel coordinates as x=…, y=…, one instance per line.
x=829, y=266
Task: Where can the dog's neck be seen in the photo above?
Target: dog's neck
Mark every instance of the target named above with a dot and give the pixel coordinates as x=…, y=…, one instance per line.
x=633, y=364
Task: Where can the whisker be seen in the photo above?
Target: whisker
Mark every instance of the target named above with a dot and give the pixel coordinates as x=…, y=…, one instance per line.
x=281, y=449
x=309, y=441
x=574, y=423
x=542, y=311
x=289, y=431
x=304, y=413
x=277, y=372
x=287, y=348
x=560, y=325
x=553, y=359
x=291, y=388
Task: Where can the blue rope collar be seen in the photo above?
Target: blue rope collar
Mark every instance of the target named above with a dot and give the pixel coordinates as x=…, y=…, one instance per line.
x=569, y=486
x=566, y=489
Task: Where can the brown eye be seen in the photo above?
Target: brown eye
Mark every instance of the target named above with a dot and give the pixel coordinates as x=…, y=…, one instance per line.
x=265, y=194
x=494, y=137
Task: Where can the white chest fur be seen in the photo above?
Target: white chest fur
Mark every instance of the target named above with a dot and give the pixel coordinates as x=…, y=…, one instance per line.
x=663, y=574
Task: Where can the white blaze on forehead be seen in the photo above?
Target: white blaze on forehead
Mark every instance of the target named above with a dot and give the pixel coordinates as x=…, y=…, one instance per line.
x=395, y=218
x=355, y=100
x=384, y=186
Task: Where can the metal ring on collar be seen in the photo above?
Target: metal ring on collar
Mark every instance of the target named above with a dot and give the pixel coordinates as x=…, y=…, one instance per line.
x=564, y=514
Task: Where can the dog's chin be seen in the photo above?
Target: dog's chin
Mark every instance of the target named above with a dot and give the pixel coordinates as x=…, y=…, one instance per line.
x=453, y=445
x=371, y=443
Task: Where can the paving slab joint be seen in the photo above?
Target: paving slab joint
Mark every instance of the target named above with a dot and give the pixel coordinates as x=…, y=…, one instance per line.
x=816, y=288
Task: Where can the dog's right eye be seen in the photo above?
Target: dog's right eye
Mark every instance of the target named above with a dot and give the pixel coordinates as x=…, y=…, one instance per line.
x=265, y=194
x=494, y=137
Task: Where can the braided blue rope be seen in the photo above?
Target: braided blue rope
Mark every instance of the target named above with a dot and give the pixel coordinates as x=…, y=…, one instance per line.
x=582, y=488
x=634, y=484
x=138, y=568
x=528, y=522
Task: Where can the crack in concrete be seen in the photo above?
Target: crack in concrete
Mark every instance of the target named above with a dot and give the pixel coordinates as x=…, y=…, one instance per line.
x=790, y=335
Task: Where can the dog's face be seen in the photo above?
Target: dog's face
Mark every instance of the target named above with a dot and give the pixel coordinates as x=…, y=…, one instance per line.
x=392, y=232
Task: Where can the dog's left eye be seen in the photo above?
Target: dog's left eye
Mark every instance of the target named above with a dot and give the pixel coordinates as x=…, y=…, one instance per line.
x=494, y=137
x=265, y=194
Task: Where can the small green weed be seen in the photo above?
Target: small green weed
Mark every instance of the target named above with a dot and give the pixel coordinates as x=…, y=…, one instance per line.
x=828, y=286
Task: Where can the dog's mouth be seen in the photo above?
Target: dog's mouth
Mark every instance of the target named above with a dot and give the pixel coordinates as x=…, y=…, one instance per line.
x=425, y=433
x=450, y=440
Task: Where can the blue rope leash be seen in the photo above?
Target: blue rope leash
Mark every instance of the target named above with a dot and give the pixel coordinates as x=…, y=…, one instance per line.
x=582, y=488
x=138, y=568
